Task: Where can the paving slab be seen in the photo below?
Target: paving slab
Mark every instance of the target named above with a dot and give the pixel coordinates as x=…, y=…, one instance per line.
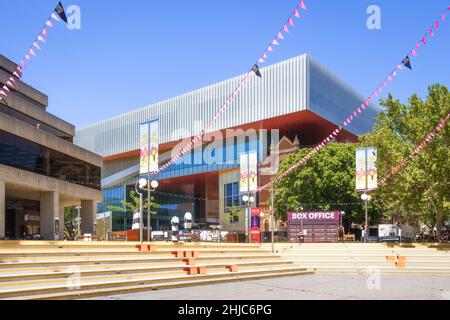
x=314, y=287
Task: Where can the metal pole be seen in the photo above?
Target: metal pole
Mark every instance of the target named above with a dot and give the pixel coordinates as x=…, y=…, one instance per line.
x=248, y=220
x=141, y=219
x=367, y=187
x=272, y=222
x=149, y=221
x=78, y=221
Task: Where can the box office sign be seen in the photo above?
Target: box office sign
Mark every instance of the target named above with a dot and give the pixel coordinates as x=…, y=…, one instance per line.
x=313, y=216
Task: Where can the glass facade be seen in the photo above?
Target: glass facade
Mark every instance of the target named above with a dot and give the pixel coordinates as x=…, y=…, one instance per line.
x=175, y=203
x=29, y=156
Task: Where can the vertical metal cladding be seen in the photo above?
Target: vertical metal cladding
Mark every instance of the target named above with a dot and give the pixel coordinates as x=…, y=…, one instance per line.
x=283, y=89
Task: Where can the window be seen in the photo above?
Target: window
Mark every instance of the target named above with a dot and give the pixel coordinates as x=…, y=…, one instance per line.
x=27, y=155
x=232, y=197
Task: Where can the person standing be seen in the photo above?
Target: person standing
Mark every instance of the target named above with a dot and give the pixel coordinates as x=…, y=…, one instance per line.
x=341, y=233
x=363, y=233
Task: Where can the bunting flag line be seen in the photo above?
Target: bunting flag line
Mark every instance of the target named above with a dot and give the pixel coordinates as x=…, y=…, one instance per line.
x=402, y=165
x=279, y=35
x=380, y=88
x=26, y=60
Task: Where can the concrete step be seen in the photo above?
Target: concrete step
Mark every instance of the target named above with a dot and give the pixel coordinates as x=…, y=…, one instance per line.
x=110, y=285
x=85, y=271
x=198, y=281
x=143, y=259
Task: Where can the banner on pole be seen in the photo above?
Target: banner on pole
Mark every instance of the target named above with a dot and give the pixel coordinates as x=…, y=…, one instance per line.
x=244, y=182
x=144, y=148
x=366, y=169
x=154, y=146
x=253, y=171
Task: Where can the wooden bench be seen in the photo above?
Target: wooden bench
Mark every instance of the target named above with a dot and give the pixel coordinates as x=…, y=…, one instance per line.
x=349, y=237
x=87, y=238
x=190, y=236
x=119, y=236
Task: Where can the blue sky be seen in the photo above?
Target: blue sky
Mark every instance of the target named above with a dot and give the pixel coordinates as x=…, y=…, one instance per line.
x=129, y=54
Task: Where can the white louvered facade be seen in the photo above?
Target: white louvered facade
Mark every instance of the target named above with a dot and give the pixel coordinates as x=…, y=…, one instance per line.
x=290, y=86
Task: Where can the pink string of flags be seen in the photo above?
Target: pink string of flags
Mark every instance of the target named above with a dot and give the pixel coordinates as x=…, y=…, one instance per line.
x=379, y=90
x=275, y=42
x=57, y=15
x=402, y=165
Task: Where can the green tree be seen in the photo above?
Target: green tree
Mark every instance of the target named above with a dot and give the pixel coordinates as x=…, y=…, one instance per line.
x=134, y=205
x=421, y=192
x=70, y=223
x=326, y=182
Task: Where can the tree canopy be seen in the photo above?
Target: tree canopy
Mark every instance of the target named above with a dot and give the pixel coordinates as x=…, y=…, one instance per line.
x=327, y=182
x=418, y=194
x=421, y=192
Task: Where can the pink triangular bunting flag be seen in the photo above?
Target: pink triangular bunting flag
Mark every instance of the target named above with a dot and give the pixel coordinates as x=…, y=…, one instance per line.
x=275, y=42
x=296, y=14
x=280, y=36
x=49, y=24
x=55, y=17
x=414, y=52
x=285, y=28
x=291, y=22
x=302, y=5
x=41, y=39
x=35, y=44
x=44, y=32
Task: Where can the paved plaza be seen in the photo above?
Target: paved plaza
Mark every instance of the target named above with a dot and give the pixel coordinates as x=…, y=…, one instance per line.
x=314, y=287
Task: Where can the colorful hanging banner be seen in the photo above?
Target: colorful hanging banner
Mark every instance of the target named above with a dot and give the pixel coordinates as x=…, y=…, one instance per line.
x=244, y=174
x=144, y=148
x=366, y=169
x=253, y=171
x=359, y=110
x=154, y=145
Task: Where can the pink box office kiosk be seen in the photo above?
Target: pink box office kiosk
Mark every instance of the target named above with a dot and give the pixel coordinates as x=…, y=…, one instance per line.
x=318, y=227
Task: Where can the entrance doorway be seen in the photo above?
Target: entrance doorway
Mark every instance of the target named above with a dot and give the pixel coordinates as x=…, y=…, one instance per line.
x=22, y=219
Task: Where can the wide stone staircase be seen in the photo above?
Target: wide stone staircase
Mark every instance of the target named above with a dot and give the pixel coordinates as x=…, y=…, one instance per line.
x=71, y=270
x=358, y=258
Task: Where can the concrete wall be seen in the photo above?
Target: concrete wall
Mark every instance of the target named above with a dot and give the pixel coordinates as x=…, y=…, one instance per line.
x=49, y=214
x=25, y=89
x=26, y=131
x=31, y=109
x=29, y=180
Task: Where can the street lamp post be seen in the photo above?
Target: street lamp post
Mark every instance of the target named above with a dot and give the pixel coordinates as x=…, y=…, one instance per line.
x=249, y=200
x=366, y=198
x=272, y=218
x=151, y=187
x=142, y=184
